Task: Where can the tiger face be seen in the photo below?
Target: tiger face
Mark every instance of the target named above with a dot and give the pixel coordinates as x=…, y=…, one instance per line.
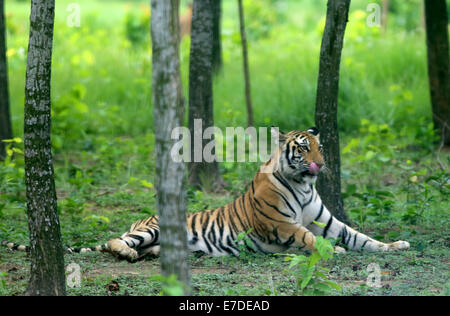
x=300, y=155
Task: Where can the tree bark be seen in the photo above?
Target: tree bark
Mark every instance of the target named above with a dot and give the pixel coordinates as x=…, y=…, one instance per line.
x=5, y=118
x=329, y=183
x=202, y=174
x=217, y=41
x=168, y=109
x=46, y=251
x=248, y=96
x=438, y=65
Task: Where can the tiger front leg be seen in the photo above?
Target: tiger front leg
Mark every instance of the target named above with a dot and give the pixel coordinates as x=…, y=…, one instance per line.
x=295, y=235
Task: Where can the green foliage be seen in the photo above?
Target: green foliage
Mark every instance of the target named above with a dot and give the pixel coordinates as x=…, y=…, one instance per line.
x=378, y=150
x=406, y=14
x=376, y=204
x=420, y=194
x=12, y=173
x=72, y=206
x=137, y=26
x=170, y=286
x=69, y=114
x=3, y=291
x=260, y=16
x=97, y=222
x=311, y=277
x=376, y=144
x=245, y=244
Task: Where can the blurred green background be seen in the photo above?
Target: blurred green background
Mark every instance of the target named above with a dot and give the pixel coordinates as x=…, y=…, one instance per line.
x=102, y=69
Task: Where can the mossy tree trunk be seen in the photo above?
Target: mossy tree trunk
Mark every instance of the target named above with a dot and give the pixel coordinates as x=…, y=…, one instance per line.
x=168, y=110
x=202, y=174
x=46, y=251
x=5, y=119
x=438, y=65
x=329, y=183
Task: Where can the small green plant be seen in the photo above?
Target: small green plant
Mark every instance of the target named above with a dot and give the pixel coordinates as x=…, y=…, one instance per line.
x=2, y=283
x=311, y=276
x=170, y=285
x=69, y=113
x=72, y=206
x=421, y=193
x=97, y=222
x=12, y=172
x=376, y=144
x=245, y=244
x=377, y=204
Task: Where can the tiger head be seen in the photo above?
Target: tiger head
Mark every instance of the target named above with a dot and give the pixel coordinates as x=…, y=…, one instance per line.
x=299, y=155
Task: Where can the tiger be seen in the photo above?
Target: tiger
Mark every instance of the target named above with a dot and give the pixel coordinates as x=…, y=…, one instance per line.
x=280, y=210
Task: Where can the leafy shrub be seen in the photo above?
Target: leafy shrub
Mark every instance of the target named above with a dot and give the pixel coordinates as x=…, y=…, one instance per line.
x=12, y=173
x=72, y=206
x=377, y=204
x=376, y=143
x=170, y=286
x=421, y=193
x=69, y=116
x=311, y=276
x=245, y=244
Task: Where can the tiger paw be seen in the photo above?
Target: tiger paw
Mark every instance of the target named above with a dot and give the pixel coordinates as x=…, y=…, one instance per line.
x=128, y=254
x=399, y=245
x=121, y=250
x=338, y=249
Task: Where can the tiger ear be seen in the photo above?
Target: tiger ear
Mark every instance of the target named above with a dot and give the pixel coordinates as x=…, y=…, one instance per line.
x=314, y=131
x=278, y=135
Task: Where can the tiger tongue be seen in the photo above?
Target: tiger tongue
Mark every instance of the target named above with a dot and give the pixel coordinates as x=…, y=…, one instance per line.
x=314, y=168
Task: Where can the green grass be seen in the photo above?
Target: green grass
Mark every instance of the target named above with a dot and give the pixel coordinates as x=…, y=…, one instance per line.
x=103, y=143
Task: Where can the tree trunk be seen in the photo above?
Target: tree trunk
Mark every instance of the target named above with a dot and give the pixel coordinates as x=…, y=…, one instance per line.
x=329, y=183
x=438, y=65
x=217, y=41
x=168, y=109
x=202, y=174
x=384, y=15
x=46, y=251
x=5, y=119
x=248, y=96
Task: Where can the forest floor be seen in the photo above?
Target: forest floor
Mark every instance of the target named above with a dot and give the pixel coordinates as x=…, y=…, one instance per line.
x=413, y=272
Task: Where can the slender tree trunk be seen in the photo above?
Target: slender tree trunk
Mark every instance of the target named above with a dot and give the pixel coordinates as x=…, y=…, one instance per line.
x=168, y=109
x=202, y=174
x=384, y=15
x=5, y=119
x=438, y=65
x=329, y=183
x=46, y=251
x=248, y=96
x=217, y=41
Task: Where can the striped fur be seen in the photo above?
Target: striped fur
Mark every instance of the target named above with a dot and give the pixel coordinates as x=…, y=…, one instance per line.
x=280, y=208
